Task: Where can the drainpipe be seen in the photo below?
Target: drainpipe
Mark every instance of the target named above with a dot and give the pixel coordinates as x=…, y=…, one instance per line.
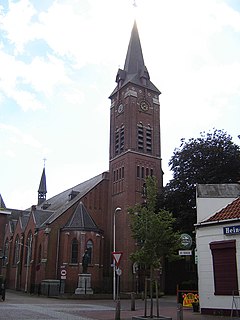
x=28, y=263
x=20, y=281
x=35, y=260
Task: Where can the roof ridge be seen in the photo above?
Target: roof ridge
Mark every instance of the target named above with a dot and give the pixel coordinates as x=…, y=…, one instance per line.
x=87, y=186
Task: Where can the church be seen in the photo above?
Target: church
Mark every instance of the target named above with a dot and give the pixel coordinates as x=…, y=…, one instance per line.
x=38, y=243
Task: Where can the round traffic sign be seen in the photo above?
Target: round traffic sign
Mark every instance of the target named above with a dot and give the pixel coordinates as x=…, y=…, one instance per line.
x=118, y=272
x=63, y=272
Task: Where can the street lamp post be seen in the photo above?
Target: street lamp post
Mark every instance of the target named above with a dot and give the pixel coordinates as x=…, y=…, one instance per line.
x=118, y=209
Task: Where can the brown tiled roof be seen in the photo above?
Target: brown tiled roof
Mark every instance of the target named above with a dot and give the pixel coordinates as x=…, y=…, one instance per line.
x=231, y=211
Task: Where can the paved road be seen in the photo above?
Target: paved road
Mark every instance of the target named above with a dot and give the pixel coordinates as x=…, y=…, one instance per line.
x=21, y=306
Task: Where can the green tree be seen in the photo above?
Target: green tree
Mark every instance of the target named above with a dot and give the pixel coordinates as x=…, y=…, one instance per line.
x=153, y=231
x=211, y=158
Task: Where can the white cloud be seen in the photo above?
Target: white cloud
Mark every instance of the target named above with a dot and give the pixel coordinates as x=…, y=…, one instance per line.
x=26, y=100
x=18, y=24
x=19, y=137
x=24, y=81
x=70, y=32
x=45, y=74
x=13, y=73
x=74, y=96
x=10, y=153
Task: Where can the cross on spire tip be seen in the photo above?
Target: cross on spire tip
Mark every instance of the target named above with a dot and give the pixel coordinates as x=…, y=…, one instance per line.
x=44, y=162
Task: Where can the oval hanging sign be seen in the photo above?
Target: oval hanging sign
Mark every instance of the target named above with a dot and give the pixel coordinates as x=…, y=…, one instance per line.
x=186, y=240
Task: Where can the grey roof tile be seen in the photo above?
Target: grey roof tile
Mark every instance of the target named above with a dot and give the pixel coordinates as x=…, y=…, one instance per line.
x=24, y=220
x=61, y=202
x=226, y=190
x=41, y=216
x=81, y=220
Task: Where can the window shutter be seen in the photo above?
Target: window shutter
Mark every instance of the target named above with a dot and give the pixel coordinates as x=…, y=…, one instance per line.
x=224, y=267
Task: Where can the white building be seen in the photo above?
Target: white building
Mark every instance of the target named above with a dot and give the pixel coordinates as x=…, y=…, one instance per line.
x=218, y=246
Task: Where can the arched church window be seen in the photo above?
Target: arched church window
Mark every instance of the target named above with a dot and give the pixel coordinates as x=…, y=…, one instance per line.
x=6, y=252
x=16, y=257
x=74, y=251
x=147, y=172
x=138, y=171
x=28, y=249
x=143, y=173
x=90, y=250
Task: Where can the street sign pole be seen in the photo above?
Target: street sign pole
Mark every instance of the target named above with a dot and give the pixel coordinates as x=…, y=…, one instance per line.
x=117, y=258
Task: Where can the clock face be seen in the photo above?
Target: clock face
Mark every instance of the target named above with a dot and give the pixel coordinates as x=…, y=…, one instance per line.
x=120, y=108
x=144, y=106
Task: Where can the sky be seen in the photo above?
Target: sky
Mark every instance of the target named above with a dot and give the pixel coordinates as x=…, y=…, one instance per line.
x=58, y=63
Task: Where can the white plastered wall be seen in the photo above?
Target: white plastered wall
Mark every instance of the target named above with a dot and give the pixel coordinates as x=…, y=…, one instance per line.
x=204, y=236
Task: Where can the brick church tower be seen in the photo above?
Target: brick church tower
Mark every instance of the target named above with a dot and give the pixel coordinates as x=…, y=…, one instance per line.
x=135, y=150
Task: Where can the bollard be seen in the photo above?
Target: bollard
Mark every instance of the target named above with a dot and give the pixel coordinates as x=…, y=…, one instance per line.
x=132, y=301
x=118, y=308
x=179, y=311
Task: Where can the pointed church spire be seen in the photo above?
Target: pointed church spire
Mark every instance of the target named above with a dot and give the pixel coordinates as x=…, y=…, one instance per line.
x=134, y=70
x=42, y=190
x=134, y=62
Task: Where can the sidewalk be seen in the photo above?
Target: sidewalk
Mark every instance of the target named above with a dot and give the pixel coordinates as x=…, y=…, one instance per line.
x=95, y=309
x=167, y=308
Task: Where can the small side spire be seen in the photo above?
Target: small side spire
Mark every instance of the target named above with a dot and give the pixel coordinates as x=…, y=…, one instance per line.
x=2, y=204
x=42, y=190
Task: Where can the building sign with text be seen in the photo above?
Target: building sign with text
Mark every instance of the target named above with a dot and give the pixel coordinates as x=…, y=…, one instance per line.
x=231, y=230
